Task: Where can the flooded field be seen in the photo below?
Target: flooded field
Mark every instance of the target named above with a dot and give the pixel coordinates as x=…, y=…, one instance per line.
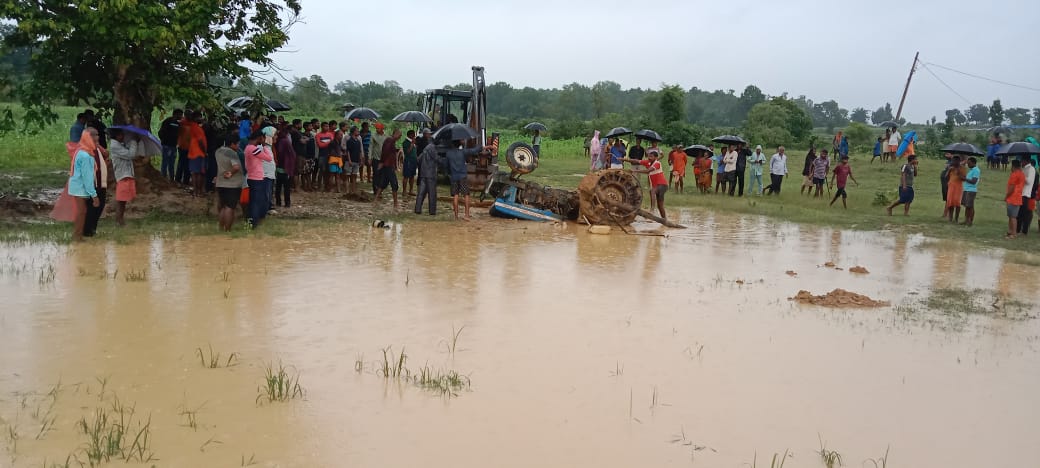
x=525, y=345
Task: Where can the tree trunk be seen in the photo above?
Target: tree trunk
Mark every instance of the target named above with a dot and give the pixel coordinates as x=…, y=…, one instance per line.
x=135, y=100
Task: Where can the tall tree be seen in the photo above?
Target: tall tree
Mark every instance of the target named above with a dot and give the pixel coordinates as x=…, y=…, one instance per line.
x=1017, y=115
x=859, y=114
x=671, y=104
x=1036, y=116
x=134, y=56
x=996, y=113
x=956, y=115
x=882, y=114
x=748, y=99
x=978, y=114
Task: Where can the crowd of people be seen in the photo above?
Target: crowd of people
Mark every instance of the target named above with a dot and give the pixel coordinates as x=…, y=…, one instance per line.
x=257, y=162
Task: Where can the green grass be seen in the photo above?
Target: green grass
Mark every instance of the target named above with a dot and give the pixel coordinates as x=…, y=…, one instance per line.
x=212, y=360
x=564, y=170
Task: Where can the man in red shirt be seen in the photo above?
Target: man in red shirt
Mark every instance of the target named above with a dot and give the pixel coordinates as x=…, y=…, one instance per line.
x=658, y=183
x=386, y=171
x=842, y=174
x=1016, y=184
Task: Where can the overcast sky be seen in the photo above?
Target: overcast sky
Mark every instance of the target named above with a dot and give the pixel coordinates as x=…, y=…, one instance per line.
x=856, y=52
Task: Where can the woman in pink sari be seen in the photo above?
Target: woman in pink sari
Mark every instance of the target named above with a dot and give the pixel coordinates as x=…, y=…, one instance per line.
x=595, y=153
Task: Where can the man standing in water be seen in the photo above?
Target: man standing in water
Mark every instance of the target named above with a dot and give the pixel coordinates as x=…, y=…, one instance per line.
x=457, y=168
x=427, y=176
x=229, y=181
x=123, y=150
x=906, y=186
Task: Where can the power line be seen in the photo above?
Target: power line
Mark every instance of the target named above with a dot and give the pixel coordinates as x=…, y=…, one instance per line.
x=946, y=85
x=984, y=78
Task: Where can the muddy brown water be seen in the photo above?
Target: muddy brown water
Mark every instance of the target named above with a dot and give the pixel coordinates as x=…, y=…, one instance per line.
x=582, y=350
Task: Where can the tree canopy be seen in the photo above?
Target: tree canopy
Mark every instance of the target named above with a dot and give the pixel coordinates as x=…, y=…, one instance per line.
x=131, y=57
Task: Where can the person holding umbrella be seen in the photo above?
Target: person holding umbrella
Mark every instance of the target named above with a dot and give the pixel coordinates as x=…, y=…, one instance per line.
x=536, y=144
x=123, y=150
x=456, y=157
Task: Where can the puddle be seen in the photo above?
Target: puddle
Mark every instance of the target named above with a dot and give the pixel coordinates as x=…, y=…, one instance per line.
x=579, y=349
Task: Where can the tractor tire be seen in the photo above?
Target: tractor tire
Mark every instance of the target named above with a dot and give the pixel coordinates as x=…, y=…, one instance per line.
x=610, y=196
x=521, y=158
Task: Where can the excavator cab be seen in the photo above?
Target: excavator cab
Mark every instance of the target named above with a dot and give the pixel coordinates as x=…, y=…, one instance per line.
x=445, y=106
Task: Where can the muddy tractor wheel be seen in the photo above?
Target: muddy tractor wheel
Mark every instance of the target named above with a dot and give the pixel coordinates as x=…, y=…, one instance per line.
x=521, y=158
x=610, y=196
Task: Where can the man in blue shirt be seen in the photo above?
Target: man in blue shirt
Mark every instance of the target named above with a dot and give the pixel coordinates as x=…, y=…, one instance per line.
x=457, y=169
x=77, y=127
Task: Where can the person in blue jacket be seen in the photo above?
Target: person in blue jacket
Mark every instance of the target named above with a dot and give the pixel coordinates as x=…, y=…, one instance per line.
x=81, y=181
x=877, y=151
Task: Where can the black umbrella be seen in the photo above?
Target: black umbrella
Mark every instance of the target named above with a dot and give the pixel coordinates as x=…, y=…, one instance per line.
x=1000, y=129
x=413, y=117
x=455, y=132
x=729, y=140
x=618, y=131
x=888, y=124
x=648, y=134
x=536, y=126
x=278, y=106
x=1018, y=148
x=692, y=150
x=962, y=148
x=362, y=113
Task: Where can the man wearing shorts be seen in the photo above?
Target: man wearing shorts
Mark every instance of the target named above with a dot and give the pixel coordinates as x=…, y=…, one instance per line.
x=971, y=189
x=456, y=157
x=355, y=152
x=386, y=171
x=1013, y=197
x=196, y=154
x=894, y=139
x=658, y=184
x=123, y=150
x=229, y=181
x=819, y=170
x=842, y=174
x=906, y=186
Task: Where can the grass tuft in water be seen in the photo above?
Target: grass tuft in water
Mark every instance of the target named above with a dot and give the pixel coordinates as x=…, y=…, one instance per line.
x=135, y=276
x=248, y=462
x=359, y=363
x=280, y=384
x=393, y=367
x=963, y=301
x=446, y=382
x=830, y=458
x=880, y=462
x=213, y=360
x=114, y=433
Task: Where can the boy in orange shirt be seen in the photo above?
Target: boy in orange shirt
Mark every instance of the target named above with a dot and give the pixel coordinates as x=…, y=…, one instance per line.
x=1013, y=197
x=677, y=162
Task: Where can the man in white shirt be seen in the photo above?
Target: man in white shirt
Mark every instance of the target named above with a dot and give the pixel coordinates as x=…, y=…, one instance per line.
x=1025, y=216
x=730, y=160
x=777, y=171
x=893, y=142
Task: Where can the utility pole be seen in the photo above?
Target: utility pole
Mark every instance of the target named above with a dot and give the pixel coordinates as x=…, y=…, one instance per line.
x=913, y=68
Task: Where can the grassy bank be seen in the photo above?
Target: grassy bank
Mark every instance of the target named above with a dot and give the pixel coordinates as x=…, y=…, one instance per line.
x=30, y=163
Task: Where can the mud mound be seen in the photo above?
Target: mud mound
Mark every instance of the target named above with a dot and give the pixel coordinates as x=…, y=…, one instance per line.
x=838, y=298
x=859, y=269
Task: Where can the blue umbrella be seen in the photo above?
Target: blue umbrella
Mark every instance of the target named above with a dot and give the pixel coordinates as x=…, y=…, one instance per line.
x=147, y=144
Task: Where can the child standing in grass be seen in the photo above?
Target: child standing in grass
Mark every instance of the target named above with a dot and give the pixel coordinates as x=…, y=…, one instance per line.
x=842, y=174
x=877, y=151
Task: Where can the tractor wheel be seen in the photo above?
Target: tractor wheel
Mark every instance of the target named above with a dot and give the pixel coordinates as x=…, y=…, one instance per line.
x=610, y=196
x=521, y=158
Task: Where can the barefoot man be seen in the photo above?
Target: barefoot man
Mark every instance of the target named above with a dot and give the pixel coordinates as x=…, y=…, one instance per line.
x=457, y=167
